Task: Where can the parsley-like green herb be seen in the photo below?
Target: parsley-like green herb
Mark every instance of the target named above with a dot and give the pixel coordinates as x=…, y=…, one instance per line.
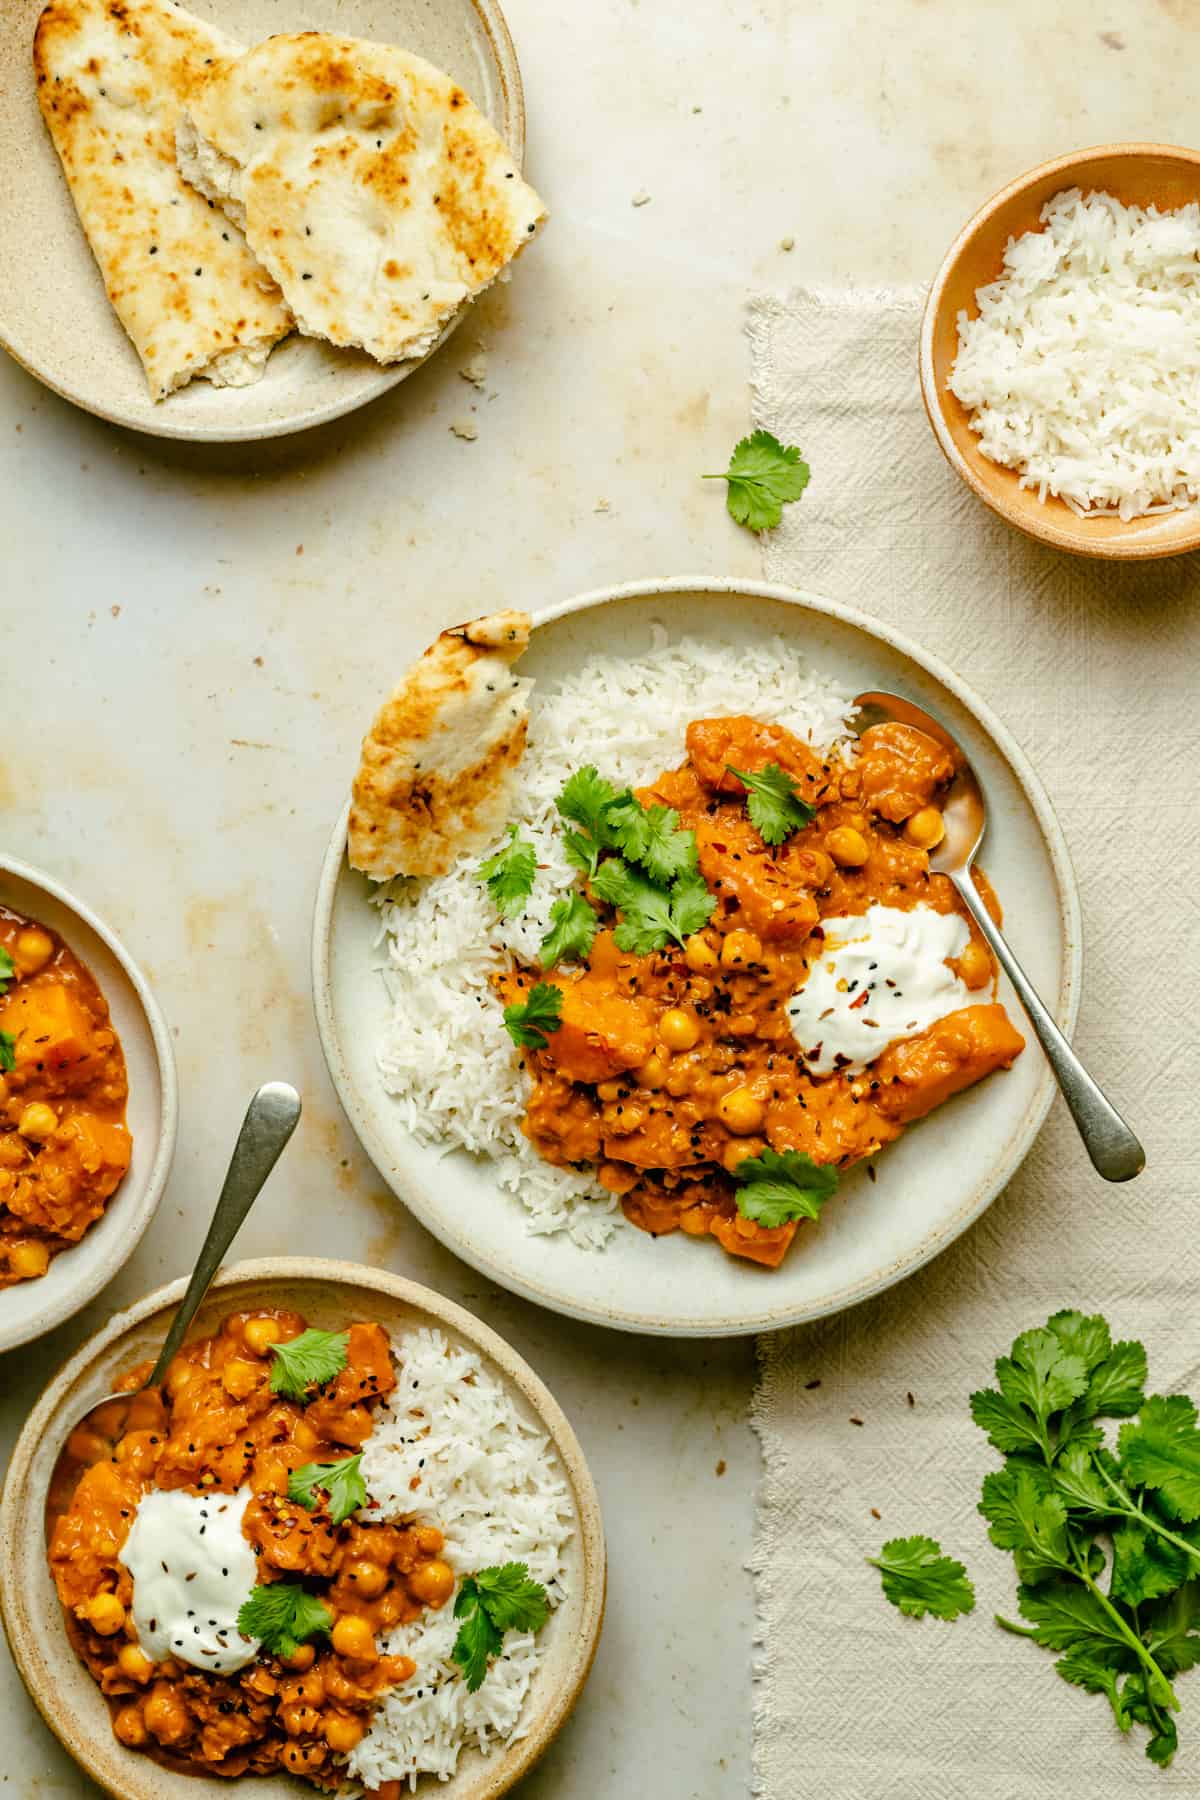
x=652, y=915
x=573, y=926
x=310, y=1360
x=650, y=835
x=918, y=1579
x=585, y=800
x=490, y=1603
x=528, y=1024
x=509, y=874
x=283, y=1615
x=341, y=1482
x=7, y=971
x=763, y=475
x=781, y=1185
x=775, y=806
x=8, y=1051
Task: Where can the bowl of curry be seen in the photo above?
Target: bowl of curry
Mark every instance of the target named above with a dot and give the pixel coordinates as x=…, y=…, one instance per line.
x=230, y=1591
x=88, y=1103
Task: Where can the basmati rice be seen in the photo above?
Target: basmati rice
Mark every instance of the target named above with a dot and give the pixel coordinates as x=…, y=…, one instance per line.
x=445, y=1054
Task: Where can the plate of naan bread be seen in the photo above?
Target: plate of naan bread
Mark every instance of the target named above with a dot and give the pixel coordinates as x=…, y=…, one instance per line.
x=633, y=974
x=222, y=223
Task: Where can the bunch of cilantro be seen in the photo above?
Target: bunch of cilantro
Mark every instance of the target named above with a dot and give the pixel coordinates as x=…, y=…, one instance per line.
x=1106, y=1543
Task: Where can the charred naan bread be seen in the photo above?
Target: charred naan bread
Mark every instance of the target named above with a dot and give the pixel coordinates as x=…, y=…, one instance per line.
x=367, y=183
x=436, y=773
x=112, y=76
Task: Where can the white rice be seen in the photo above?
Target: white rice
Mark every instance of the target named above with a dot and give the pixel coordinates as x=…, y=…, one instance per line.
x=445, y=1054
x=450, y=1448
x=1082, y=370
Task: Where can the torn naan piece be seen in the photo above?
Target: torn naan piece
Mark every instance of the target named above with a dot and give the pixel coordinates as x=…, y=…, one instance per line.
x=375, y=192
x=436, y=775
x=112, y=76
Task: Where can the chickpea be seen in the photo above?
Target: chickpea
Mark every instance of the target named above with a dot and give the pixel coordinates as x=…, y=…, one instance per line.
x=367, y=1578
x=260, y=1334
x=353, y=1637
x=33, y=950
x=739, y=1150
x=300, y=1721
x=698, y=953
x=105, y=1614
x=926, y=828
x=740, y=948
x=166, y=1716
x=432, y=1582
x=343, y=1731
x=975, y=965
x=679, y=1030
x=429, y=1539
x=609, y=1091
x=308, y=1686
x=302, y=1759
x=27, y=1261
x=679, y=1082
x=239, y=1379
x=741, y=1111
x=37, y=1121
x=302, y=1657
x=652, y=1073
x=130, y=1727
x=848, y=847
x=133, y=1662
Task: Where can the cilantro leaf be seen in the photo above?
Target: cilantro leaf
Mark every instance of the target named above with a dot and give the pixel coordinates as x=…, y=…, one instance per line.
x=646, y=922
x=7, y=970
x=763, y=475
x=527, y=1025
x=509, y=874
x=309, y=1360
x=1117, y=1387
x=692, y=906
x=779, y=1186
x=585, y=799
x=1040, y=1375
x=650, y=835
x=489, y=1603
x=1024, y=1516
x=1161, y=1450
x=775, y=806
x=1145, y=1567
x=1008, y=1427
x=1137, y=1703
x=282, y=1615
x=342, y=1482
x=8, y=1052
x=1171, y=1628
x=1078, y=1485
x=918, y=1579
x=573, y=926
x=1084, y=1336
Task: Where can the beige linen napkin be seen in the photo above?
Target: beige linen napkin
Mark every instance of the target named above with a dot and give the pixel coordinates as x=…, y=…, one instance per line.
x=1094, y=668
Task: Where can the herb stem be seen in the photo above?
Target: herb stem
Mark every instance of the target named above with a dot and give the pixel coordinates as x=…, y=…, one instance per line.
x=1135, y=1643
x=1132, y=1510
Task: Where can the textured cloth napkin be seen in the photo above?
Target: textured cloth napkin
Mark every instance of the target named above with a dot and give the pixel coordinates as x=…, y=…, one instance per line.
x=1094, y=668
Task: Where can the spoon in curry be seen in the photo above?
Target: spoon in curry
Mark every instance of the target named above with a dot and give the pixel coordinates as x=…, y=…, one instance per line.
x=1115, y=1152
x=270, y=1120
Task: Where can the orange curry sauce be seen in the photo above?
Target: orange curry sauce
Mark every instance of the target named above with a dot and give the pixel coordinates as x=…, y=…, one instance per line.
x=64, y=1146
x=669, y=1069
x=217, y=1428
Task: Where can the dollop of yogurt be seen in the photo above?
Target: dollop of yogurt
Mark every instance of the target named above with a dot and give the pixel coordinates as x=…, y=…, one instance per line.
x=881, y=976
x=192, y=1570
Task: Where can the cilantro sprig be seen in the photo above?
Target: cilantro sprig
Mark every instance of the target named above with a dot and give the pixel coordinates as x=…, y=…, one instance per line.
x=584, y=801
x=489, y=1603
x=774, y=803
x=652, y=915
x=781, y=1185
x=918, y=1579
x=307, y=1361
x=763, y=476
x=573, y=927
x=341, y=1482
x=527, y=1024
x=8, y=1052
x=283, y=1615
x=509, y=874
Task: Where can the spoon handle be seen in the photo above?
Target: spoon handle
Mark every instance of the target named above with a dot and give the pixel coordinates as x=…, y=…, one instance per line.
x=271, y=1118
x=1115, y=1152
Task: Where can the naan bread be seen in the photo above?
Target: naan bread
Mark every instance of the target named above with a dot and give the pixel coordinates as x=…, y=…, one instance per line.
x=368, y=184
x=112, y=76
x=436, y=776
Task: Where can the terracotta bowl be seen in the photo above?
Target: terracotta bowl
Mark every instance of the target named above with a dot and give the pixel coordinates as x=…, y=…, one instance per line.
x=1137, y=174
x=76, y=1276
x=327, y=1293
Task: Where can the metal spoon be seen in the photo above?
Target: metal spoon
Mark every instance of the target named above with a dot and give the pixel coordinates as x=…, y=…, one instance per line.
x=1115, y=1152
x=270, y=1120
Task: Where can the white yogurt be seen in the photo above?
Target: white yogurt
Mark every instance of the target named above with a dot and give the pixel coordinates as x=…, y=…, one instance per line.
x=192, y=1570
x=898, y=960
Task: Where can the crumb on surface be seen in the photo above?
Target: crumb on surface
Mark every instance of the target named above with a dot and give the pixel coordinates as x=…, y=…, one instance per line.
x=641, y=198
x=475, y=369
x=787, y=243
x=465, y=428
x=722, y=1466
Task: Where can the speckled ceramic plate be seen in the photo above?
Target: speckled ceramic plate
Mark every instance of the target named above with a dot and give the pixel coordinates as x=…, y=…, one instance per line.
x=55, y=318
x=328, y=1294
x=931, y=1184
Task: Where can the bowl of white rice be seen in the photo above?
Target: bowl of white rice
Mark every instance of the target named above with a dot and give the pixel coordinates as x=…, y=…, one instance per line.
x=469, y=1439
x=1060, y=352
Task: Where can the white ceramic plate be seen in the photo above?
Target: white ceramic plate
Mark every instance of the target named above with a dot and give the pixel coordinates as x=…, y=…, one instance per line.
x=931, y=1185
x=327, y=1293
x=78, y=1274
x=54, y=314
